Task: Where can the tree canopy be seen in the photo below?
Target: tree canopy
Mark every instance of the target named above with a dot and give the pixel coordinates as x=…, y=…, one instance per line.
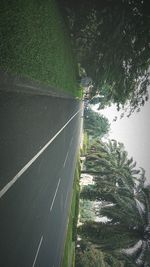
x=112, y=41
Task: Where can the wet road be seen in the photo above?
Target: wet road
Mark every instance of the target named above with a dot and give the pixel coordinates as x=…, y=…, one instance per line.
x=39, y=141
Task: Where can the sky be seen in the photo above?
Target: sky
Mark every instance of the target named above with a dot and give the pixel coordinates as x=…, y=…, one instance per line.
x=134, y=132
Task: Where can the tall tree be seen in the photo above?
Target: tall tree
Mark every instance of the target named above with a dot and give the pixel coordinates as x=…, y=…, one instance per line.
x=95, y=124
x=111, y=162
x=124, y=188
x=112, y=42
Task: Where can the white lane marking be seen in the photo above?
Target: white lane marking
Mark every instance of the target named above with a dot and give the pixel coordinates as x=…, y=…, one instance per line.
x=17, y=176
x=55, y=195
x=71, y=141
x=66, y=159
x=66, y=200
x=67, y=153
x=40, y=243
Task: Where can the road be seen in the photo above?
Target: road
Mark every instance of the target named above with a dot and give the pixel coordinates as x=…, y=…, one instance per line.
x=39, y=141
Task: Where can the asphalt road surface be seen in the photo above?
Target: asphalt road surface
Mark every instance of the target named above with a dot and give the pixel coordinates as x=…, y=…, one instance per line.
x=39, y=140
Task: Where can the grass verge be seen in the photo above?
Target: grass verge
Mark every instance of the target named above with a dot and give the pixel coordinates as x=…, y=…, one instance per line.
x=34, y=43
x=69, y=251
x=85, y=144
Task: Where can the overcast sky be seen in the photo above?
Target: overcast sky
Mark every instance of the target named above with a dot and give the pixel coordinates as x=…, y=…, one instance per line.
x=134, y=132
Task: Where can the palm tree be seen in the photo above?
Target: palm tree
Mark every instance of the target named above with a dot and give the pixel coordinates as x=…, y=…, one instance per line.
x=127, y=226
x=129, y=214
x=111, y=160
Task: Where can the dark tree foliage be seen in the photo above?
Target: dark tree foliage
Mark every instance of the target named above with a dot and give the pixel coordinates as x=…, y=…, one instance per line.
x=112, y=41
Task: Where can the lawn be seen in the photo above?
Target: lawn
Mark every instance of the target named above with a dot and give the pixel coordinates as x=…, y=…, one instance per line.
x=85, y=144
x=35, y=43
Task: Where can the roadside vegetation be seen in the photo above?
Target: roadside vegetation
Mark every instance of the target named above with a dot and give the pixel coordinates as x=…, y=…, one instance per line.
x=116, y=230
x=35, y=43
x=71, y=237
x=85, y=143
x=111, y=42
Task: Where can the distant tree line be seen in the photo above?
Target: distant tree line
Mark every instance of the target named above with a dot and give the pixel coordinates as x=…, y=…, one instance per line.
x=96, y=125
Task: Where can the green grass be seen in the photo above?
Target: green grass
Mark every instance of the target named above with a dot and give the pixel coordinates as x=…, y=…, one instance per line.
x=35, y=43
x=85, y=144
x=69, y=251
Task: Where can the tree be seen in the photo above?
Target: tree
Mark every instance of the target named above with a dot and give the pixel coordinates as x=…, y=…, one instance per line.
x=111, y=41
x=92, y=257
x=118, y=182
x=95, y=124
x=110, y=161
x=128, y=226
